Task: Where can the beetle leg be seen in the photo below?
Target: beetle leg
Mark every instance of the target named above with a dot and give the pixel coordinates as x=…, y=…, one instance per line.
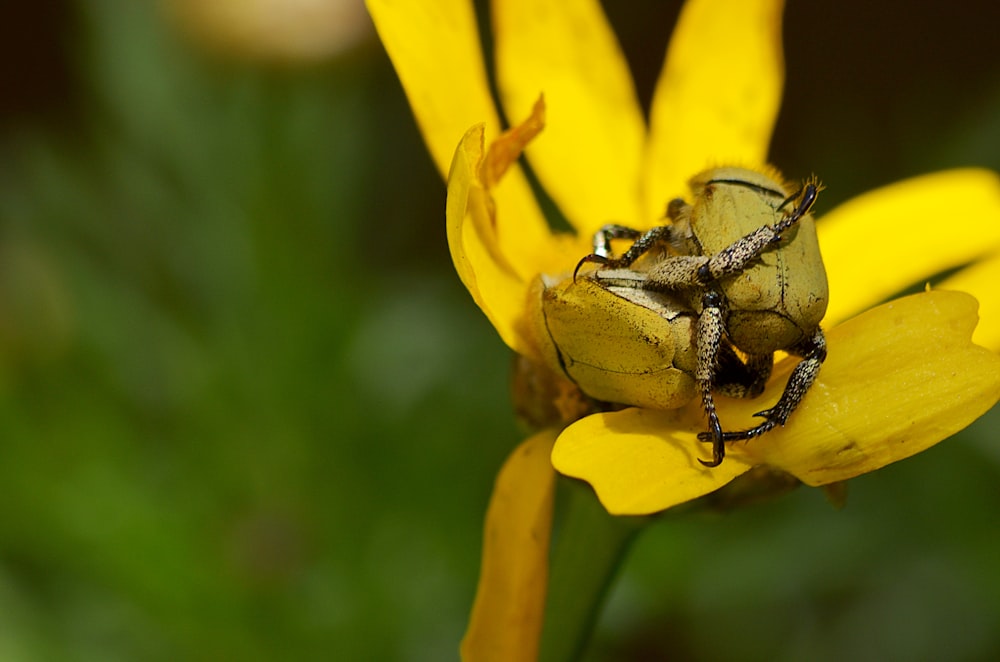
x=709, y=342
x=742, y=379
x=608, y=233
x=760, y=366
x=679, y=272
x=677, y=208
x=737, y=256
x=808, y=192
x=644, y=242
x=813, y=353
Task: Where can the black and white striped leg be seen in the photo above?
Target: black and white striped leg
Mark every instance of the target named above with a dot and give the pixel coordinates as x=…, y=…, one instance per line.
x=709, y=341
x=642, y=244
x=813, y=353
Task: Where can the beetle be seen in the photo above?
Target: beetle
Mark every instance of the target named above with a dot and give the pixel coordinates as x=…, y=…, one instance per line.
x=743, y=256
x=625, y=344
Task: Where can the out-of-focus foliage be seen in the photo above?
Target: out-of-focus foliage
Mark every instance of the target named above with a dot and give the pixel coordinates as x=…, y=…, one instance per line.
x=235, y=418
x=247, y=411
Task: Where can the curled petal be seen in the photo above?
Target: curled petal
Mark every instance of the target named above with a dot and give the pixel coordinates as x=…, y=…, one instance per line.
x=508, y=147
x=879, y=243
x=717, y=97
x=641, y=461
x=490, y=279
x=589, y=158
x=506, y=619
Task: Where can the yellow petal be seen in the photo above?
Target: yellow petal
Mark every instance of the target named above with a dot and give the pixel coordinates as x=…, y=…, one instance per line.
x=506, y=620
x=589, y=157
x=898, y=379
x=981, y=280
x=718, y=94
x=434, y=46
x=641, y=461
x=484, y=270
x=884, y=241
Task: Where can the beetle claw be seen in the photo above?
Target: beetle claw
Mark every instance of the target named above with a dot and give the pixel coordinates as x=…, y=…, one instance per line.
x=717, y=437
x=593, y=257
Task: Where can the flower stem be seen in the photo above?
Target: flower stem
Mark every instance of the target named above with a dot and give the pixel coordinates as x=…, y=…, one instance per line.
x=590, y=546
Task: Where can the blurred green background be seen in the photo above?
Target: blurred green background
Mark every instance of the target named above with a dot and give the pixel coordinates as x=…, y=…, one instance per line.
x=248, y=412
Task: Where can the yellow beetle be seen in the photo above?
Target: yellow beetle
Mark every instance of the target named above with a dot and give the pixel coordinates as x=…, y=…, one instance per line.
x=619, y=344
x=779, y=299
x=743, y=258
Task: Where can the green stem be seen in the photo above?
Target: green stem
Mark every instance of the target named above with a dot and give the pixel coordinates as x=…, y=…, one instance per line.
x=588, y=550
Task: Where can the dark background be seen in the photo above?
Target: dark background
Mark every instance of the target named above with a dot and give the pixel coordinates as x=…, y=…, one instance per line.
x=247, y=411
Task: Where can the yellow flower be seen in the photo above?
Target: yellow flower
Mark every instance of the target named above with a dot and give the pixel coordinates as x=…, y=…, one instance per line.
x=899, y=377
